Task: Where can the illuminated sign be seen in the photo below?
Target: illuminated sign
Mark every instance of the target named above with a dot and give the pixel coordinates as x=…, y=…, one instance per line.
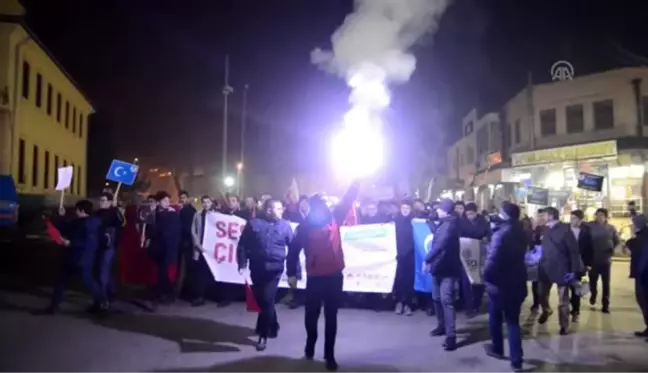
x=566, y=153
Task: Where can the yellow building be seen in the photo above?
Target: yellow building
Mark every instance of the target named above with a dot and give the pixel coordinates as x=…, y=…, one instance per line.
x=43, y=114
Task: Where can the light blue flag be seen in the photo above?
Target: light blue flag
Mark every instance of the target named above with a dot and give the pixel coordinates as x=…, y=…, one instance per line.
x=422, y=240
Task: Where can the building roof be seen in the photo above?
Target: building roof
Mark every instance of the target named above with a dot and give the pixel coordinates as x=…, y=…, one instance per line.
x=20, y=21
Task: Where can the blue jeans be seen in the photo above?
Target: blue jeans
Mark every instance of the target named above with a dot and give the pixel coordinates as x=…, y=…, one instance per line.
x=69, y=269
x=472, y=295
x=105, y=272
x=443, y=294
x=503, y=311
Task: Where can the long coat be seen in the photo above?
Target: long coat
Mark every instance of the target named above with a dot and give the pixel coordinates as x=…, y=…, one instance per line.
x=505, y=272
x=560, y=255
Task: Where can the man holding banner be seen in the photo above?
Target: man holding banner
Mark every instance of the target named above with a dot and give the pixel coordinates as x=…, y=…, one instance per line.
x=262, y=249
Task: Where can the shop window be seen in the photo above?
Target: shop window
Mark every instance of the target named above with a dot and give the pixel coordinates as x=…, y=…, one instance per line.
x=604, y=114
x=21, y=161
x=548, y=122
x=74, y=119
x=39, y=90
x=575, y=119
x=644, y=106
x=26, y=70
x=49, y=99
x=516, y=132
x=482, y=141
x=35, y=166
x=80, y=125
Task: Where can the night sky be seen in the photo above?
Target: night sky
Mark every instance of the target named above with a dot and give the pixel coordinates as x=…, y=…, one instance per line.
x=154, y=69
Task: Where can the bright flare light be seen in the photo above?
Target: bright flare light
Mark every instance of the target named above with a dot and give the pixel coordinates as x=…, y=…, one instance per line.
x=229, y=181
x=357, y=148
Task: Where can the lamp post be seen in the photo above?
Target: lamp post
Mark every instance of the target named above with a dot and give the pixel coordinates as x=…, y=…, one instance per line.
x=239, y=175
x=227, y=89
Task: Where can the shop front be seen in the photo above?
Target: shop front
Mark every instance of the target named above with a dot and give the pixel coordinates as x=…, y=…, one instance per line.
x=558, y=170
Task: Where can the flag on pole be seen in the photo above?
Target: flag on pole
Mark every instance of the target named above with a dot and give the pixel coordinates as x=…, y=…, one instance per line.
x=292, y=196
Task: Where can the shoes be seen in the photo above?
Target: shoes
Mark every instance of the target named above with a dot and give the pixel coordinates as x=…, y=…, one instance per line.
x=293, y=305
x=261, y=344
x=471, y=314
x=450, y=344
x=488, y=348
x=605, y=310
x=535, y=308
x=643, y=333
x=575, y=318
x=544, y=317
x=331, y=364
x=563, y=331
x=399, y=309
x=517, y=367
x=407, y=311
x=309, y=350
x=438, y=331
x=199, y=302
x=592, y=301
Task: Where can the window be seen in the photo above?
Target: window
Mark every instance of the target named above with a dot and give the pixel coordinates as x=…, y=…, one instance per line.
x=72, y=181
x=58, y=107
x=78, y=180
x=80, y=125
x=575, y=119
x=603, y=114
x=516, y=132
x=49, y=99
x=46, y=171
x=56, y=166
x=21, y=161
x=64, y=163
x=644, y=107
x=39, y=90
x=482, y=141
x=25, y=79
x=469, y=129
x=74, y=118
x=548, y=122
x=35, y=166
x=67, y=114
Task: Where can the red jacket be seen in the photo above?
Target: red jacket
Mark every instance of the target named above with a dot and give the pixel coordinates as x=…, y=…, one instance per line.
x=322, y=243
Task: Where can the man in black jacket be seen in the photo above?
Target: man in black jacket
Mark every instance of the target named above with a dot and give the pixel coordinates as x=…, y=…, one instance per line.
x=262, y=249
x=584, y=239
x=444, y=264
x=111, y=223
x=505, y=277
x=404, y=280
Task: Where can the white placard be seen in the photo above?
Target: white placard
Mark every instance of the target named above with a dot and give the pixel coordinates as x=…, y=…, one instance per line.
x=64, y=179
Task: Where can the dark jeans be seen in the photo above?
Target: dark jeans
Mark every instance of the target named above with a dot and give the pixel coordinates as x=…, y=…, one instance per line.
x=164, y=284
x=265, y=286
x=106, y=283
x=70, y=269
x=323, y=291
x=403, y=289
x=443, y=293
x=472, y=295
x=641, y=294
x=502, y=311
x=535, y=294
x=544, y=288
x=601, y=270
x=199, y=277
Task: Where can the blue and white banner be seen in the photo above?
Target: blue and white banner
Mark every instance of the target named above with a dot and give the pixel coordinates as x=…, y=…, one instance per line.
x=422, y=240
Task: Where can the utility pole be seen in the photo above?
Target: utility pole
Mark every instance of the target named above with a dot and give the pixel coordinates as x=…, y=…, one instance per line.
x=243, y=124
x=226, y=92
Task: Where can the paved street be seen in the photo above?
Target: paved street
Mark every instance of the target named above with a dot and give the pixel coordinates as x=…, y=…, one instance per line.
x=181, y=338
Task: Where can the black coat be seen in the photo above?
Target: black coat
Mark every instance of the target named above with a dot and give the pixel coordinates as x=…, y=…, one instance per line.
x=444, y=254
x=404, y=236
x=111, y=224
x=165, y=236
x=187, y=213
x=263, y=245
x=477, y=229
x=505, y=272
x=560, y=255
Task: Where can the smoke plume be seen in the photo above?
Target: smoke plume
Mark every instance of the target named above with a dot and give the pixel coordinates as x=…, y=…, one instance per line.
x=374, y=41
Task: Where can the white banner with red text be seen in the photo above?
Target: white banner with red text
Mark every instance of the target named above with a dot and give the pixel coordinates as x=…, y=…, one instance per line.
x=369, y=254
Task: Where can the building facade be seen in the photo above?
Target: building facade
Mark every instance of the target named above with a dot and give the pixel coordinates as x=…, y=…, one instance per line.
x=44, y=116
x=550, y=133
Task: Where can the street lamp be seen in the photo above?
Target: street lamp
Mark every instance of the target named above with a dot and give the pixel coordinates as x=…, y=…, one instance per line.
x=229, y=182
x=239, y=171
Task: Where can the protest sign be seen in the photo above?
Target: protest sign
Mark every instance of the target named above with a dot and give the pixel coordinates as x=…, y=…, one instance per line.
x=369, y=253
x=472, y=256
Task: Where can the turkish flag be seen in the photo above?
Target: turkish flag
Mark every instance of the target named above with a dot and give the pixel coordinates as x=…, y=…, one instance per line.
x=251, y=304
x=53, y=233
x=351, y=217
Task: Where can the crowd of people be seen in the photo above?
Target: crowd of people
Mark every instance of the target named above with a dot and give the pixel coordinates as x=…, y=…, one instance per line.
x=172, y=234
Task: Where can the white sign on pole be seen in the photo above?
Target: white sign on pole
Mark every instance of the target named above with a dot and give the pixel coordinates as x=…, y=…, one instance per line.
x=64, y=179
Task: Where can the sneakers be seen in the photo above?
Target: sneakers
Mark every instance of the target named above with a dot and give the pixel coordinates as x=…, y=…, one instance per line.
x=450, y=344
x=563, y=331
x=592, y=300
x=407, y=311
x=438, y=331
x=261, y=344
x=490, y=351
x=575, y=318
x=642, y=334
x=399, y=309
x=544, y=317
